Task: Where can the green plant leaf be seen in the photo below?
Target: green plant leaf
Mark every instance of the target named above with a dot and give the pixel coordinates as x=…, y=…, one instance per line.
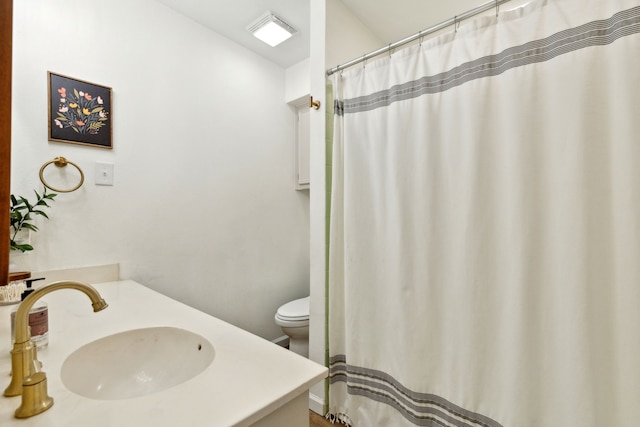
x=29, y=226
x=42, y=201
x=24, y=247
x=41, y=213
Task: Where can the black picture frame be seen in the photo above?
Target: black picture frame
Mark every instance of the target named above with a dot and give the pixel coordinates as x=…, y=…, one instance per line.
x=80, y=112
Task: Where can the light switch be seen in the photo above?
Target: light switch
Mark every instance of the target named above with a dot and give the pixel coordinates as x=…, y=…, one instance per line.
x=104, y=173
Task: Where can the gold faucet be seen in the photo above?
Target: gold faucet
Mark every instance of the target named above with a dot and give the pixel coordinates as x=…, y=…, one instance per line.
x=26, y=378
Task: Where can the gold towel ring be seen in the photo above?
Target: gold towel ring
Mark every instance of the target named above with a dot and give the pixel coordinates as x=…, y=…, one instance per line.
x=61, y=162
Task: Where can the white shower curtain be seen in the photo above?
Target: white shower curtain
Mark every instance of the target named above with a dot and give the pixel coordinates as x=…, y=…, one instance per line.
x=484, y=263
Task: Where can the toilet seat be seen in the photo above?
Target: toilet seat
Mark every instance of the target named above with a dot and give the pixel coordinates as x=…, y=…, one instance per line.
x=285, y=323
x=294, y=313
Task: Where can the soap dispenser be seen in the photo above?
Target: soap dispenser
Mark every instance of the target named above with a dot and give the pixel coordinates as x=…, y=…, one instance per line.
x=38, y=319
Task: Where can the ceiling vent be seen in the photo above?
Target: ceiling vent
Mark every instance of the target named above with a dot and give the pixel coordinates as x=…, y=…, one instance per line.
x=271, y=29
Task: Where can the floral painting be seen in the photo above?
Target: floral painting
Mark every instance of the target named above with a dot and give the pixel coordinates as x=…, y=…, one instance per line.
x=79, y=112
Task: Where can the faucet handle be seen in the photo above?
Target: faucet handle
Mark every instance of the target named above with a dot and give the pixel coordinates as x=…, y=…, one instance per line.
x=35, y=397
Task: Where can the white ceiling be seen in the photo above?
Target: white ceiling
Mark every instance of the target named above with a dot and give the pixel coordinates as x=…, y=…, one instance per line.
x=231, y=18
x=389, y=20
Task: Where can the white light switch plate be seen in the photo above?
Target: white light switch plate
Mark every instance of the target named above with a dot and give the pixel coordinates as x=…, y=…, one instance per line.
x=104, y=173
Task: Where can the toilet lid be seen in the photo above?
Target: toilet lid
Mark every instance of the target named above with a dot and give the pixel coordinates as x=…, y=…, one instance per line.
x=296, y=310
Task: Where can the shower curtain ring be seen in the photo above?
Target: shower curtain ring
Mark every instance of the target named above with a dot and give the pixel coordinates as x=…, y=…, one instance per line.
x=497, y=8
x=456, y=24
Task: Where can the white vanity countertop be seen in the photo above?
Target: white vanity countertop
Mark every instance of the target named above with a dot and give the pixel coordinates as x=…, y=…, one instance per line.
x=249, y=377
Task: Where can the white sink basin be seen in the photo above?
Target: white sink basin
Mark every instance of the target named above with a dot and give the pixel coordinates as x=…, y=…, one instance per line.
x=136, y=363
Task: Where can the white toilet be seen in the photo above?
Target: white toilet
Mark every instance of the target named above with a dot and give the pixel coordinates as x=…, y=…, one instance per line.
x=293, y=318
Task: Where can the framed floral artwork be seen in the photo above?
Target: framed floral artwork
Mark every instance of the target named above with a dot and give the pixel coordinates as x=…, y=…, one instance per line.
x=79, y=112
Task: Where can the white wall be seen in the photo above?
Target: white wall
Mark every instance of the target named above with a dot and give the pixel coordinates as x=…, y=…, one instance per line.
x=346, y=36
x=203, y=207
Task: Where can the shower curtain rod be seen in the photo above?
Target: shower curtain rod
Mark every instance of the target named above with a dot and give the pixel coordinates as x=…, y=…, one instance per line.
x=453, y=21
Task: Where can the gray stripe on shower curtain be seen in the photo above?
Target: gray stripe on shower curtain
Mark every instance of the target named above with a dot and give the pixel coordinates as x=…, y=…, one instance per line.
x=422, y=409
x=597, y=33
